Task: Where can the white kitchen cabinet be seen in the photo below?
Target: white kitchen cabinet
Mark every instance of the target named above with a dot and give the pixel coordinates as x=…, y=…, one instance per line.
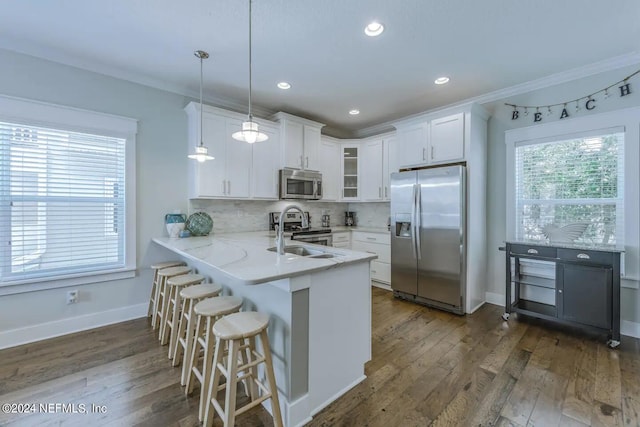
x=301, y=139
x=446, y=140
x=379, y=244
x=231, y=174
x=265, y=165
x=412, y=144
x=427, y=141
x=350, y=171
x=389, y=166
x=342, y=239
x=371, y=173
x=329, y=166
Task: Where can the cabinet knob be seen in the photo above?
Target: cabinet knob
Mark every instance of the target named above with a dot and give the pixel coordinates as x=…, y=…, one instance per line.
x=559, y=291
x=583, y=256
x=532, y=251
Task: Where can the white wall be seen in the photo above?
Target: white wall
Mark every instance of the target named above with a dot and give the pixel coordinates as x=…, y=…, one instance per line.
x=500, y=121
x=161, y=188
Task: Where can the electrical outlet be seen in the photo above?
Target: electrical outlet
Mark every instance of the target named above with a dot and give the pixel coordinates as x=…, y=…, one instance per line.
x=72, y=297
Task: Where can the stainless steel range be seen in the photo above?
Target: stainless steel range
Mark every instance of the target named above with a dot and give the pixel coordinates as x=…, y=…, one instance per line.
x=293, y=227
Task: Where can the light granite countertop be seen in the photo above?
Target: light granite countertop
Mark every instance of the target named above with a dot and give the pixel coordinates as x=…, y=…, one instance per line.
x=244, y=256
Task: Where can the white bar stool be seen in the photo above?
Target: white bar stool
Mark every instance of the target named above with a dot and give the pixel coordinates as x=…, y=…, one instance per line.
x=163, y=294
x=207, y=312
x=155, y=289
x=174, y=310
x=191, y=295
x=234, y=330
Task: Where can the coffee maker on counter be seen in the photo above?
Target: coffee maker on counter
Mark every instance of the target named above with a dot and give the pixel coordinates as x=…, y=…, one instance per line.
x=350, y=219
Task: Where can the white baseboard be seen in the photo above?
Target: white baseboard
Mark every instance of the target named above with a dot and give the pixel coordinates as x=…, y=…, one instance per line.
x=495, y=299
x=15, y=337
x=381, y=285
x=628, y=328
x=338, y=394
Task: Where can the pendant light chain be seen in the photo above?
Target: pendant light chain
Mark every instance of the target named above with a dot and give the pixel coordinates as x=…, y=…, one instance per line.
x=201, y=55
x=250, y=115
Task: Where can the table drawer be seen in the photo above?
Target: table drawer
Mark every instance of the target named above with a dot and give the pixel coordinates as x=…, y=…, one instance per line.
x=532, y=250
x=593, y=257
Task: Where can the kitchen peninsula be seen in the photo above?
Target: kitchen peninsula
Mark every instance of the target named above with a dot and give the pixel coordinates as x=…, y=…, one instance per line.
x=320, y=309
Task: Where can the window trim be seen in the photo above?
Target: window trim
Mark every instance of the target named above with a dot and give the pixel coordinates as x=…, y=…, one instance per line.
x=629, y=120
x=36, y=113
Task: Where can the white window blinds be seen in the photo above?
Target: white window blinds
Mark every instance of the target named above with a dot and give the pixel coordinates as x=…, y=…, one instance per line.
x=572, y=184
x=62, y=196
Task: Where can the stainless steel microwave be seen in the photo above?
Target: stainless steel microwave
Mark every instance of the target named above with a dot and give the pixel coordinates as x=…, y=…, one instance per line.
x=300, y=184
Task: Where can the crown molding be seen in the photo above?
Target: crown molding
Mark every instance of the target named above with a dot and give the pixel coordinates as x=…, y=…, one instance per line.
x=610, y=64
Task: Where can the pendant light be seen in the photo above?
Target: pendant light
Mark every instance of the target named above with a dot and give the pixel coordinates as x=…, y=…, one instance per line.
x=201, y=154
x=250, y=132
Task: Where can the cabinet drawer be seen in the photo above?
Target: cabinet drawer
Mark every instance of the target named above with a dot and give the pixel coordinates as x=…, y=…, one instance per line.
x=534, y=251
x=340, y=237
x=362, y=236
x=383, y=251
x=594, y=257
x=380, y=271
x=343, y=245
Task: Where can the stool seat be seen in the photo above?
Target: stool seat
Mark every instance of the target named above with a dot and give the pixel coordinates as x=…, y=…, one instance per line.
x=174, y=271
x=200, y=291
x=185, y=279
x=240, y=325
x=218, y=306
x=166, y=264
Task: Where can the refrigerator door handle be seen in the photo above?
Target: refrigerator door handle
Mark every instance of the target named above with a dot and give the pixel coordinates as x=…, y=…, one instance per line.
x=413, y=222
x=418, y=223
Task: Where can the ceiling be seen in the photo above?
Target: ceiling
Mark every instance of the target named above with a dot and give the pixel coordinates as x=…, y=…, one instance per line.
x=320, y=48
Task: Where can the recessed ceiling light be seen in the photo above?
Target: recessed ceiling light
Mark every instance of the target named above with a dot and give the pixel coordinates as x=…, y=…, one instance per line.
x=354, y=112
x=441, y=80
x=374, y=29
x=284, y=85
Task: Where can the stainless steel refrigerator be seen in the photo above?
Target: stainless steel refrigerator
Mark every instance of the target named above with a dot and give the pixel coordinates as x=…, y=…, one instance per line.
x=428, y=236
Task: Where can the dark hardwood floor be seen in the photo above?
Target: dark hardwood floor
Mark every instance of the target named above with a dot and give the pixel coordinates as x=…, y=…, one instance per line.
x=428, y=368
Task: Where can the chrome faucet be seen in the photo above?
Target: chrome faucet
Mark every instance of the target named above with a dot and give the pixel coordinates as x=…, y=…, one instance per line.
x=280, y=230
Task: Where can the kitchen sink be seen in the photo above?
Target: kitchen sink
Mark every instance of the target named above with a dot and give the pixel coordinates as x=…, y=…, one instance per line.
x=299, y=250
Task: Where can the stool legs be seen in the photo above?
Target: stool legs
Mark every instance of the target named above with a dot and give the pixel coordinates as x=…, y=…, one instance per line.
x=271, y=378
x=236, y=347
x=157, y=305
x=152, y=301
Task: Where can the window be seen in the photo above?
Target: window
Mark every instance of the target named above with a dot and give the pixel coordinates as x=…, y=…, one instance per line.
x=65, y=196
x=571, y=184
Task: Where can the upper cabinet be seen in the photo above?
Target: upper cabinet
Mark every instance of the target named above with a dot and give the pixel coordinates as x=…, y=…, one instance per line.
x=446, y=139
x=329, y=166
x=350, y=154
x=389, y=165
x=239, y=170
x=428, y=141
x=301, y=140
x=372, y=170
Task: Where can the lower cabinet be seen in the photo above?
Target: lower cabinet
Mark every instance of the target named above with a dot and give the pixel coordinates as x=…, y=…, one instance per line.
x=584, y=294
x=342, y=240
x=379, y=244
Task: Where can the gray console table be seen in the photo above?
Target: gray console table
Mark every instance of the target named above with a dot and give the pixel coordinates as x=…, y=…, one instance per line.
x=583, y=292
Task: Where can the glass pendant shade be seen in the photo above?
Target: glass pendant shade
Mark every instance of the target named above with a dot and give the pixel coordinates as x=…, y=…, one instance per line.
x=250, y=133
x=201, y=154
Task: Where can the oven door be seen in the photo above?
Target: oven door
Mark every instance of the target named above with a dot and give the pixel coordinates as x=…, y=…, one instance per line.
x=318, y=239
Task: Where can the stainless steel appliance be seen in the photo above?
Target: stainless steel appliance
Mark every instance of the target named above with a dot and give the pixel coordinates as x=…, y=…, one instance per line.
x=350, y=218
x=292, y=226
x=300, y=184
x=428, y=236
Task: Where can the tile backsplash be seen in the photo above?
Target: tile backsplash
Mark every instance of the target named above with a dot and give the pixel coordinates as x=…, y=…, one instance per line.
x=251, y=215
